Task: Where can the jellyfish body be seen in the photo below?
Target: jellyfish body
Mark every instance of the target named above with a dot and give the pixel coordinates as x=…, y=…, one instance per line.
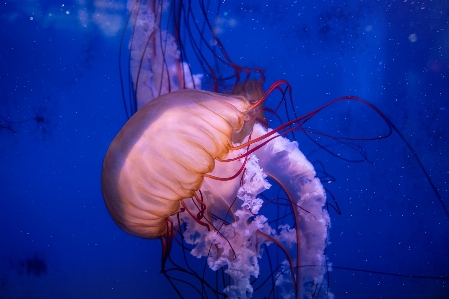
x=177, y=165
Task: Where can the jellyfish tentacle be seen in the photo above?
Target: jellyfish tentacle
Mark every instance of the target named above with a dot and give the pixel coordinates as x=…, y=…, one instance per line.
x=196, y=218
x=228, y=178
x=166, y=242
x=273, y=86
x=203, y=206
x=287, y=256
x=236, y=174
x=299, y=122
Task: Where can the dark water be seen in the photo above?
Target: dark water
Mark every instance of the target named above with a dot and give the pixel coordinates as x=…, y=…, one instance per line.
x=60, y=104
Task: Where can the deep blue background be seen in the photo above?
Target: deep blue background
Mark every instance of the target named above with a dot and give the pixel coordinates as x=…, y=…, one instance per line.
x=58, y=65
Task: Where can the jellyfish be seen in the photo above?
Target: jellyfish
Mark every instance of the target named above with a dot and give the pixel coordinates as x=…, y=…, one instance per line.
x=207, y=174
x=190, y=165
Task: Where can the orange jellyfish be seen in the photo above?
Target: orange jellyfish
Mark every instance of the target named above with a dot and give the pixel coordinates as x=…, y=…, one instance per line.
x=194, y=162
x=190, y=165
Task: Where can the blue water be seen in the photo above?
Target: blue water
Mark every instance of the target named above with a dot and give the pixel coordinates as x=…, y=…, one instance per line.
x=61, y=106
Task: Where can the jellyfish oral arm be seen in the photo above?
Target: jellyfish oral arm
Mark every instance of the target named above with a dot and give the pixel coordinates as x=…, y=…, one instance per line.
x=155, y=64
x=282, y=160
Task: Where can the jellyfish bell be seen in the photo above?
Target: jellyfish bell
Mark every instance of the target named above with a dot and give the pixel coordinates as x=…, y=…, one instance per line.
x=180, y=134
